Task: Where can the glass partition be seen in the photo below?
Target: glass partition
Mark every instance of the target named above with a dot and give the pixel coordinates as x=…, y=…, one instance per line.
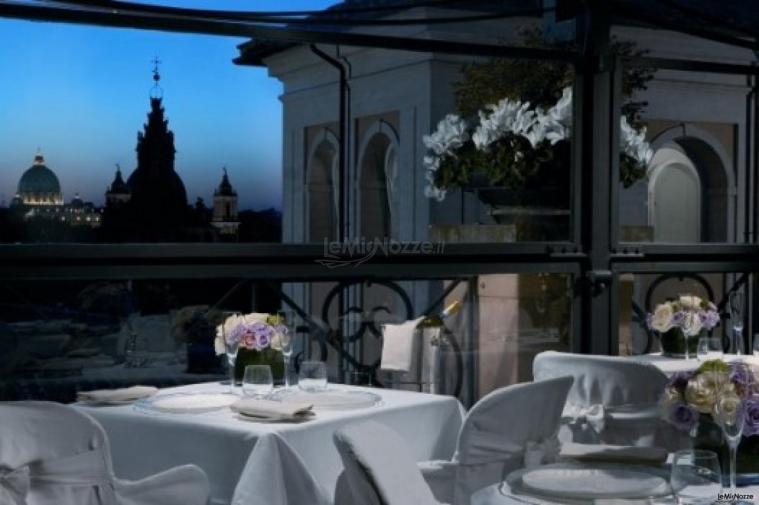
x=61, y=337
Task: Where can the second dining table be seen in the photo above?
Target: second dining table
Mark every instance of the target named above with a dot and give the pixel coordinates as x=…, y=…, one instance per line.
x=222, y=443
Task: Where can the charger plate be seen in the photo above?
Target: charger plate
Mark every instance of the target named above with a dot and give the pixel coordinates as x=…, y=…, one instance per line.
x=329, y=399
x=186, y=403
x=575, y=481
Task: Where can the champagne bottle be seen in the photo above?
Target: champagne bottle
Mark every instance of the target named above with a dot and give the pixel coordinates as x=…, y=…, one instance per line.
x=438, y=320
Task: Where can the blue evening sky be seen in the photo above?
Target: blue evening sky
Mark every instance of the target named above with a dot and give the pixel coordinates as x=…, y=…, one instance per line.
x=80, y=94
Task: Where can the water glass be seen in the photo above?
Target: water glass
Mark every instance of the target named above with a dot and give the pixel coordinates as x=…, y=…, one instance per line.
x=696, y=477
x=709, y=348
x=257, y=381
x=286, y=320
x=736, y=307
x=313, y=376
x=230, y=349
x=756, y=344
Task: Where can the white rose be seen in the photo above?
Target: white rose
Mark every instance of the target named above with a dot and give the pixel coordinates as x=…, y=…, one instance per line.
x=662, y=320
x=255, y=317
x=691, y=324
x=690, y=302
x=276, y=341
x=702, y=390
x=218, y=345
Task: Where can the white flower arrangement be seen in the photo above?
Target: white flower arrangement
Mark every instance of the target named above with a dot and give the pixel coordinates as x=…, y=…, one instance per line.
x=255, y=331
x=515, y=118
x=689, y=313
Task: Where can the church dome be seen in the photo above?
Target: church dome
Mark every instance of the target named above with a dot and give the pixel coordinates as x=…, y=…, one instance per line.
x=39, y=185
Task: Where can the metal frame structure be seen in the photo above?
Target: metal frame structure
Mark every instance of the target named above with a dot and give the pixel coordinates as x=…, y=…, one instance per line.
x=594, y=255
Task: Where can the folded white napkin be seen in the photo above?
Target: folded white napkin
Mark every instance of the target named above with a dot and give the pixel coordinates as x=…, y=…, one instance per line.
x=398, y=345
x=116, y=395
x=613, y=453
x=270, y=410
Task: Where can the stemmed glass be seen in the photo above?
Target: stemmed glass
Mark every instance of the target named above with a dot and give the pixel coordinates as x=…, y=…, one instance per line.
x=736, y=319
x=728, y=412
x=231, y=349
x=286, y=319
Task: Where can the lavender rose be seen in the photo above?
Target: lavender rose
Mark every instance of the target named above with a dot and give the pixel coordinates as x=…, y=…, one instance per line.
x=683, y=416
x=741, y=375
x=263, y=333
x=751, y=413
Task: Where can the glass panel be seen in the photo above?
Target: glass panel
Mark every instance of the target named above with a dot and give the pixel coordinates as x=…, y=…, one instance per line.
x=692, y=186
x=60, y=337
x=232, y=154
x=640, y=294
x=205, y=165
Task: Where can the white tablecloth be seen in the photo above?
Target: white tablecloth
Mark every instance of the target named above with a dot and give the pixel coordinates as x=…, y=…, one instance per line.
x=670, y=366
x=221, y=444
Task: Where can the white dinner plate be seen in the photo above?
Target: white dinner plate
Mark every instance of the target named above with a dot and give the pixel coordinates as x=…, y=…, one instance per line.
x=330, y=399
x=589, y=482
x=187, y=403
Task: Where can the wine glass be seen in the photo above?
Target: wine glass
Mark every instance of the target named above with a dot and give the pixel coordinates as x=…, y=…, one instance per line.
x=709, y=348
x=286, y=319
x=257, y=381
x=696, y=477
x=230, y=347
x=728, y=412
x=736, y=319
x=313, y=376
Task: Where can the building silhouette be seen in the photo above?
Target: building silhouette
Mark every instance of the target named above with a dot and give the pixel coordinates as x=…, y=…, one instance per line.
x=225, y=212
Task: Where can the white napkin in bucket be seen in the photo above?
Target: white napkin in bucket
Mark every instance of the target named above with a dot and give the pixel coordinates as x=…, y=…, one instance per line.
x=269, y=410
x=116, y=395
x=398, y=345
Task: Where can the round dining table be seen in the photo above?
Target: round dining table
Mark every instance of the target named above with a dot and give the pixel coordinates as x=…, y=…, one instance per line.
x=671, y=366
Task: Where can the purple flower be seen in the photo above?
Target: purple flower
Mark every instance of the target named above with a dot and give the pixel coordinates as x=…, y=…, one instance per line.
x=709, y=318
x=740, y=374
x=683, y=416
x=680, y=380
x=677, y=318
x=751, y=416
x=263, y=333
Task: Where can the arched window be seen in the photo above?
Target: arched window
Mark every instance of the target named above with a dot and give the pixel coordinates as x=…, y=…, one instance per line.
x=378, y=167
x=674, y=195
x=691, y=187
x=322, y=196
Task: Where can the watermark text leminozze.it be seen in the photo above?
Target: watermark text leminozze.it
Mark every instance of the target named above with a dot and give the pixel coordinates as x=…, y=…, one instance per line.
x=732, y=497
x=358, y=251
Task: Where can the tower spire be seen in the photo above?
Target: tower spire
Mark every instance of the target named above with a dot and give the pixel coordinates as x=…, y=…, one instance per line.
x=156, y=91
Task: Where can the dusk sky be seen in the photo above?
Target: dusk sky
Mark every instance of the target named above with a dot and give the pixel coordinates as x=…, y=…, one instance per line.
x=81, y=94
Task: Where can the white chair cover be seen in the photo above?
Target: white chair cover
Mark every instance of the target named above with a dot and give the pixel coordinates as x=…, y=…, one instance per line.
x=53, y=454
x=379, y=469
x=276, y=475
x=614, y=400
x=508, y=429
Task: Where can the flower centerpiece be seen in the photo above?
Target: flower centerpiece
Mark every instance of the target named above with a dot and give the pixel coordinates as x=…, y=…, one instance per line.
x=689, y=399
x=508, y=139
x=511, y=141
x=195, y=327
x=257, y=337
x=679, y=323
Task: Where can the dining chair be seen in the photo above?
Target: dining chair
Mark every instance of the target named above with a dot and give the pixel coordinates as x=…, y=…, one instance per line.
x=379, y=469
x=508, y=429
x=55, y=454
x=614, y=400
